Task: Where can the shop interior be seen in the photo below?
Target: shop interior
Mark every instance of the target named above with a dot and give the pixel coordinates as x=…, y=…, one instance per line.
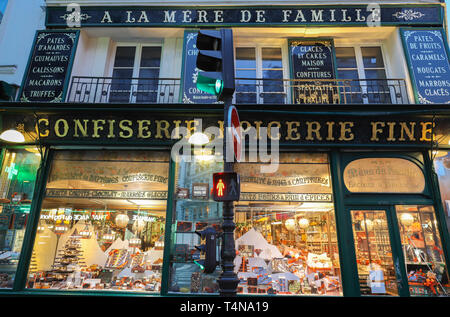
x=100, y=225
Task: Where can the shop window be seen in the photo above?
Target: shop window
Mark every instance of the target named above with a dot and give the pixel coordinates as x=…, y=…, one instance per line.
x=135, y=74
x=259, y=73
x=102, y=222
x=422, y=249
x=363, y=70
x=17, y=181
x=285, y=235
x=374, y=260
x=442, y=168
x=193, y=210
x=286, y=242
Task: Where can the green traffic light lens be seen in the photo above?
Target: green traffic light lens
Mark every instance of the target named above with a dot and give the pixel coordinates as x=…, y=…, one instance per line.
x=219, y=86
x=201, y=266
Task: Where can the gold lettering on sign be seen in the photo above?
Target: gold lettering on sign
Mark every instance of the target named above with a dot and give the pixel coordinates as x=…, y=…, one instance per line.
x=346, y=131
x=292, y=133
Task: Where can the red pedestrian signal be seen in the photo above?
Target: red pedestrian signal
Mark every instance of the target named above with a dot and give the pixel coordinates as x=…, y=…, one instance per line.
x=226, y=186
x=220, y=187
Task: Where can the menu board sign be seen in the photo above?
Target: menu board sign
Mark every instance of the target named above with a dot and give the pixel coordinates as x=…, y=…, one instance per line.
x=49, y=66
x=312, y=64
x=190, y=73
x=428, y=60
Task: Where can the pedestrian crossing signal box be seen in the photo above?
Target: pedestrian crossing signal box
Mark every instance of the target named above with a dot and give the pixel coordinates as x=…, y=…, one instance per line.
x=226, y=186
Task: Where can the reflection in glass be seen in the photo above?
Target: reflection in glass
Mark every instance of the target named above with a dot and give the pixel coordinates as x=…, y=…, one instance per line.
x=17, y=181
x=373, y=253
x=422, y=249
x=193, y=210
x=102, y=222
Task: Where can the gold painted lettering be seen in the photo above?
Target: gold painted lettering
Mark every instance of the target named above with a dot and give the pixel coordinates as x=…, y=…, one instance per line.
x=391, y=131
x=346, y=128
x=143, y=126
x=427, y=133
x=162, y=125
x=376, y=130
x=269, y=132
x=97, y=127
x=65, y=128
x=313, y=127
x=125, y=126
x=330, y=125
x=291, y=130
x=111, y=129
x=82, y=128
x=409, y=131
x=38, y=125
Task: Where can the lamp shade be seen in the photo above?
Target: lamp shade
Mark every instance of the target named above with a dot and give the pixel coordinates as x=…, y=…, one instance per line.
x=367, y=224
x=290, y=224
x=12, y=136
x=303, y=223
x=122, y=220
x=198, y=138
x=406, y=219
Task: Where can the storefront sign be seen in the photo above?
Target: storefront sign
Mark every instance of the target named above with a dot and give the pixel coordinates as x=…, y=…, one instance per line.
x=383, y=175
x=256, y=16
x=428, y=60
x=312, y=63
x=305, y=130
x=286, y=181
x=49, y=67
x=105, y=194
x=190, y=73
x=320, y=197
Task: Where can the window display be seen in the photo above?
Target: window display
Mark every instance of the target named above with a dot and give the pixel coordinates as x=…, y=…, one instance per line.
x=442, y=168
x=286, y=242
x=373, y=253
x=17, y=181
x=102, y=222
x=422, y=249
x=285, y=235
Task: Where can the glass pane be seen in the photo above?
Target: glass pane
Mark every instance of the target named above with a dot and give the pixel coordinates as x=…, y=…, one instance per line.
x=271, y=58
x=147, y=90
x=194, y=210
x=151, y=56
x=102, y=222
x=442, y=168
x=345, y=57
x=422, y=249
x=372, y=57
x=284, y=244
x=17, y=181
x=373, y=253
x=121, y=85
x=375, y=74
x=125, y=56
x=245, y=57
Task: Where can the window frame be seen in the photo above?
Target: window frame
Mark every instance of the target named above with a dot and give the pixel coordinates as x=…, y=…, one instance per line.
x=258, y=46
x=360, y=64
x=136, y=64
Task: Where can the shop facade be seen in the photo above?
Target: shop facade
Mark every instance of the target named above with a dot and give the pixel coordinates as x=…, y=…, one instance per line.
x=346, y=197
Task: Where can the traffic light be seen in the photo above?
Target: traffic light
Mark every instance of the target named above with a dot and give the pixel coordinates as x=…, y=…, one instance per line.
x=208, y=250
x=215, y=59
x=226, y=186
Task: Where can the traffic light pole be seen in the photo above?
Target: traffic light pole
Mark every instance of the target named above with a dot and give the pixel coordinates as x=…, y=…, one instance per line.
x=228, y=280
